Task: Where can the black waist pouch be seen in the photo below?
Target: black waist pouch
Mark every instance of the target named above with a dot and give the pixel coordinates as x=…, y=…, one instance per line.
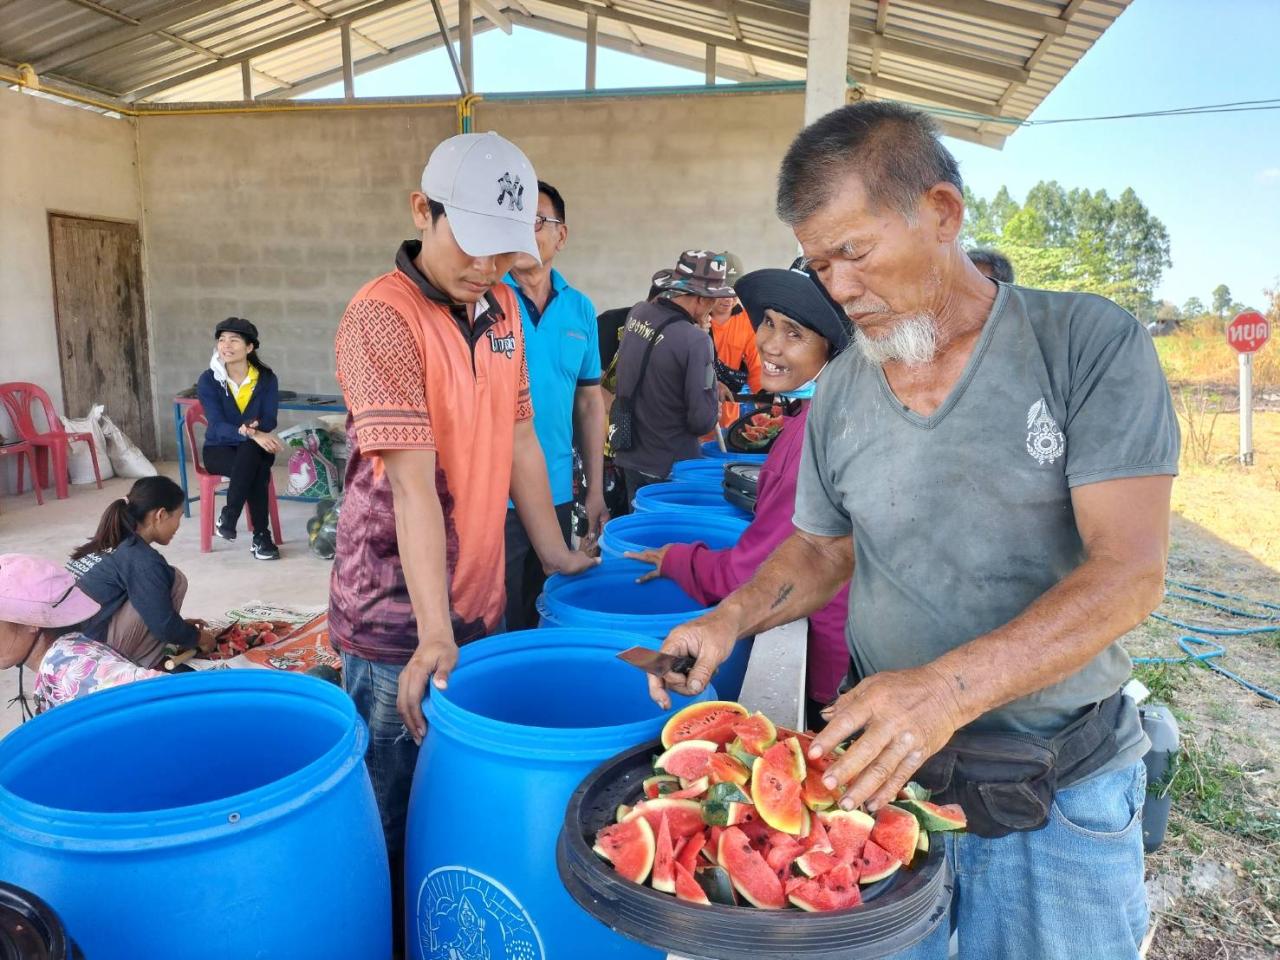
x=1005, y=782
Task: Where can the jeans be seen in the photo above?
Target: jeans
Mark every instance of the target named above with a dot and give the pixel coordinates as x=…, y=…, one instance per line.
x=525, y=576
x=390, y=759
x=636, y=480
x=1070, y=890
x=248, y=467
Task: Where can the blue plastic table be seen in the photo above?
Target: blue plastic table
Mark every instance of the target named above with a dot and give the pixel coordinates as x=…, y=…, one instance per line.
x=313, y=402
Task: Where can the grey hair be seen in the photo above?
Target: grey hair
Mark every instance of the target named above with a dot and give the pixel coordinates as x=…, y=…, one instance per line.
x=996, y=262
x=894, y=149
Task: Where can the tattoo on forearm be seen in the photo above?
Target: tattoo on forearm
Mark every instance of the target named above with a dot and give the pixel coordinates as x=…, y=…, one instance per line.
x=959, y=681
x=783, y=592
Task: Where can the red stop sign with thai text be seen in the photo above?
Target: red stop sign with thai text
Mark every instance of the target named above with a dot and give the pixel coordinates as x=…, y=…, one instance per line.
x=1248, y=332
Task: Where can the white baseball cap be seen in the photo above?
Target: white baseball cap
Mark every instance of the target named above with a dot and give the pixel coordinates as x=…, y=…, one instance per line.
x=489, y=192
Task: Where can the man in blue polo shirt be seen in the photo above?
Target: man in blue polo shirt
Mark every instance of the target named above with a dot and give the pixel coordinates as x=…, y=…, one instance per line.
x=562, y=346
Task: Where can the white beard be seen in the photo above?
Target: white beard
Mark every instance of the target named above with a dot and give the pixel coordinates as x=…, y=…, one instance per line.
x=912, y=340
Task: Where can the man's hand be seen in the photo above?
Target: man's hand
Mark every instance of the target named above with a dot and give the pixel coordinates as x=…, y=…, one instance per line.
x=570, y=562
x=709, y=640
x=438, y=658
x=905, y=717
x=726, y=395
x=597, y=514
x=649, y=556
x=208, y=639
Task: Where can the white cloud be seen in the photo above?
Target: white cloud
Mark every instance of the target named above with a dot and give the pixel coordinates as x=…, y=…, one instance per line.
x=1269, y=175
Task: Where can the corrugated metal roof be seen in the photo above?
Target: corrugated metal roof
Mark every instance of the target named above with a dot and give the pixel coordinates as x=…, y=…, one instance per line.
x=972, y=59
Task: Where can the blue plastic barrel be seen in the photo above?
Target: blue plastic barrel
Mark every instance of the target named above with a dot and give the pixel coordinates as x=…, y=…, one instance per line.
x=201, y=816
x=704, y=470
x=525, y=718
x=692, y=498
x=608, y=598
x=646, y=531
x=712, y=449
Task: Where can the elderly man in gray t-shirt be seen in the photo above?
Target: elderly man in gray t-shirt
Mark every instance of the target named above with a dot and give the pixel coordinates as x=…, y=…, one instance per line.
x=992, y=468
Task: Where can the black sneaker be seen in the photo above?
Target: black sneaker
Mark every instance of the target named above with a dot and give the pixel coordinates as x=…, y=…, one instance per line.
x=225, y=527
x=264, y=548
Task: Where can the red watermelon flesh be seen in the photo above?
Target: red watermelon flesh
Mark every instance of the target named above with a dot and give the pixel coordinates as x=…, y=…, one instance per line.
x=722, y=768
x=815, y=863
x=693, y=791
x=687, y=888
x=847, y=830
x=782, y=854
x=787, y=757
x=897, y=831
x=815, y=794
x=836, y=890
x=687, y=759
x=629, y=846
x=817, y=838
x=712, y=849
x=709, y=720
x=749, y=872
x=687, y=855
x=777, y=796
x=757, y=833
x=875, y=863
x=756, y=733
x=663, y=876
x=685, y=815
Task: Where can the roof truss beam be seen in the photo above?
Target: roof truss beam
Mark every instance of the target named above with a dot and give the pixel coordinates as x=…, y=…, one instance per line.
x=1001, y=14
x=176, y=13
x=270, y=46
x=909, y=49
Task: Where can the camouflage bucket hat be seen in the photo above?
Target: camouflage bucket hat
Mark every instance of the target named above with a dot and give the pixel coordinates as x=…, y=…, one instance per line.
x=697, y=272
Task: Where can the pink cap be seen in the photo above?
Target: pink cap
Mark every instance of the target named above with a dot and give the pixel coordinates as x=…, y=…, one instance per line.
x=39, y=593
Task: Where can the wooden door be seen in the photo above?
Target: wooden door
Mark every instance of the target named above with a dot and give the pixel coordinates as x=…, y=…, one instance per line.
x=102, y=323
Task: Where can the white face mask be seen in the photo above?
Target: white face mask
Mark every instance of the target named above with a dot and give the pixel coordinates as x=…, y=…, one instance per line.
x=807, y=389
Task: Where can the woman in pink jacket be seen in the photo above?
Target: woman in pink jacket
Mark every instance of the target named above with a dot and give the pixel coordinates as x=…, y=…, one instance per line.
x=798, y=330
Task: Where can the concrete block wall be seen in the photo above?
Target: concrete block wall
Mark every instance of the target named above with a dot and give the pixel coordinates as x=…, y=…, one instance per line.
x=281, y=217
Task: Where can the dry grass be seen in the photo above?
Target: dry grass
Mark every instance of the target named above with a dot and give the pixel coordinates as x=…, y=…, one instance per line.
x=1216, y=881
x=1198, y=354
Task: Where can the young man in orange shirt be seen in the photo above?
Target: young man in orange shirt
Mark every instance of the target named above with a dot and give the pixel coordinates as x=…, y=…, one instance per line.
x=432, y=365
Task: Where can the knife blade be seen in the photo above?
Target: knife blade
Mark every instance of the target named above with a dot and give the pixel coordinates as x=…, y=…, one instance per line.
x=658, y=664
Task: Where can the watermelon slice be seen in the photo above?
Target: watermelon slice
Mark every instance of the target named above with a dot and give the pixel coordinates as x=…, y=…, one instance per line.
x=629, y=846
x=815, y=794
x=847, y=831
x=691, y=790
x=817, y=838
x=688, y=889
x=685, y=815
x=756, y=733
x=709, y=720
x=913, y=791
x=875, y=863
x=687, y=759
x=750, y=874
x=815, y=863
x=896, y=831
x=933, y=817
x=787, y=756
x=723, y=768
x=716, y=884
x=834, y=890
x=664, y=857
x=922, y=845
x=740, y=753
x=621, y=813
x=782, y=854
x=687, y=855
x=777, y=795
x=652, y=786
x=712, y=849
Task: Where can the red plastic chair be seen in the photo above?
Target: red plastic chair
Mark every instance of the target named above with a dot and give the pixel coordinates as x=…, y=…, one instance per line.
x=209, y=483
x=22, y=450
x=52, y=445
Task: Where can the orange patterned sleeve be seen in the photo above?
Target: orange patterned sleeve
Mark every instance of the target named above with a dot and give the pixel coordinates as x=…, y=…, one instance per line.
x=382, y=380
x=524, y=402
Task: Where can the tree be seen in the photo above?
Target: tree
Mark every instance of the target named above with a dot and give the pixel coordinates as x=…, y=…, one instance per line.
x=1221, y=299
x=1193, y=308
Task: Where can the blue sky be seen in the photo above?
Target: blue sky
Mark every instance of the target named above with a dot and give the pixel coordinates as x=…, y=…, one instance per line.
x=1214, y=180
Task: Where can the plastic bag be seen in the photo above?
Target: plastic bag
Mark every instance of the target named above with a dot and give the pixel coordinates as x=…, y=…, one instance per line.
x=79, y=459
x=312, y=471
x=126, y=459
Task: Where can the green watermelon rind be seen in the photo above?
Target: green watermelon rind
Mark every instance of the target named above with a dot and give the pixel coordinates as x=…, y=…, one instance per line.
x=931, y=816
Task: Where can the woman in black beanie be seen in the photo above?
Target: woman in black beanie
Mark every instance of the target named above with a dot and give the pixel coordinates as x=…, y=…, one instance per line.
x=241, y=397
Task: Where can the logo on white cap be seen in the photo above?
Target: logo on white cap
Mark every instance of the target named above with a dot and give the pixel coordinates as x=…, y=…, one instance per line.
x=511, y=190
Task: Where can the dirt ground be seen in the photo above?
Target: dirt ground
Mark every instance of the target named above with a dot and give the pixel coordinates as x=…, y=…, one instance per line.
x=1215, y=884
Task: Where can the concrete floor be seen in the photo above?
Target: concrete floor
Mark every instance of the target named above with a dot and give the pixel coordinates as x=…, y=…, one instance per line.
x=227, y=577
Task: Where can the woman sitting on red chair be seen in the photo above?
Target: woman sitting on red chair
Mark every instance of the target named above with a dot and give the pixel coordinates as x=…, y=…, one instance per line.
x=241, y=397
